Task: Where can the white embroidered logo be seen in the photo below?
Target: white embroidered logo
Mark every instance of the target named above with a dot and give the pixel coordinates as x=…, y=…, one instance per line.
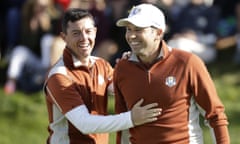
x=134, y=11
x=100, y=80
x=170, y=81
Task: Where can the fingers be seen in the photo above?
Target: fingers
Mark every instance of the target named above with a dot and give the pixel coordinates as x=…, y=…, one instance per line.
x=138, y=104
x=149, y=106
x=154, y=112
x=117, y=60
x=151, y=117
x=126, y=55
x=151, y=120
x=145, y=114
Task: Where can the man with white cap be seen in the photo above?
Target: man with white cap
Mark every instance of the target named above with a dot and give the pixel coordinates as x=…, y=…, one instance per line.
x=177, y=80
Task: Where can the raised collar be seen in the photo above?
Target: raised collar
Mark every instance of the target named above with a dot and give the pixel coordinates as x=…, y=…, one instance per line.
x=78, y=63
x=72, y=61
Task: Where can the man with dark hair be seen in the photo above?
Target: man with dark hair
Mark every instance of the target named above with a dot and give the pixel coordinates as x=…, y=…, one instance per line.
x=77, y=87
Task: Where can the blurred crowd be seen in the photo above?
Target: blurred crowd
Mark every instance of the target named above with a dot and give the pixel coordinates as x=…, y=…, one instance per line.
x=30, y=42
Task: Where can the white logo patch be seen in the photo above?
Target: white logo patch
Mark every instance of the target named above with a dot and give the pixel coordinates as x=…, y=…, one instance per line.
x=134, y=11
x=100, y=80
x=170, y=81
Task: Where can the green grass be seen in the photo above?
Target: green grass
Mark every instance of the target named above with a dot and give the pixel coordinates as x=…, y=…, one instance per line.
x=23, y=118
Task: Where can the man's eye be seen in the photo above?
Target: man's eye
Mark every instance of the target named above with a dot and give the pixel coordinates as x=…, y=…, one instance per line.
x=90, y=31
x=129, y=30
x=134, y=30
x=138, y=29
x=75, y=33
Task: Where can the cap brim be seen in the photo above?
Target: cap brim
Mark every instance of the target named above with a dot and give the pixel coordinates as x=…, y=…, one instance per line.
x=135, y=21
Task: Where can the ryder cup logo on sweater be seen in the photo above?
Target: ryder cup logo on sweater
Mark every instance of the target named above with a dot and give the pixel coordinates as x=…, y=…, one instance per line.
x=170, y=81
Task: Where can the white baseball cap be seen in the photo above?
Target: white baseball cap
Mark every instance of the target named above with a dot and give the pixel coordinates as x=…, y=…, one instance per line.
x=144, y=15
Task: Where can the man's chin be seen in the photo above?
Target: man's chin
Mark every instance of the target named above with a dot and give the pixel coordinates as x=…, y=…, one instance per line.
x=86, y=55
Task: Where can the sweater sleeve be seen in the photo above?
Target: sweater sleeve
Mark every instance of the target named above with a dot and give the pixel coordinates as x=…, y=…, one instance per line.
x=205, y=93
x=88, y=123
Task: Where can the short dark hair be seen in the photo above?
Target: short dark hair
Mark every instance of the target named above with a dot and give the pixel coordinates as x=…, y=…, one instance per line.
x=73, y=15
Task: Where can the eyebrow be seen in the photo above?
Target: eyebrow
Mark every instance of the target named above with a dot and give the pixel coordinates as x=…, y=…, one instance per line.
x=84, y=29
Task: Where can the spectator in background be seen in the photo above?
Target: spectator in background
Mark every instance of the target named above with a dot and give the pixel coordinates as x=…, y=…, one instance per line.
x=236, y=58
x=30, y=59
x=63, y=4
x=227, y=24
x=116, y=9
x=10, y=21
x=226, y=7
x=196, y=30
x=172, y=9
x=229, y=32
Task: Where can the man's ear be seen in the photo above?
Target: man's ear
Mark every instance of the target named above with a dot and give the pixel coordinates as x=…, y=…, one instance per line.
x=63, y=36
x=160, y=33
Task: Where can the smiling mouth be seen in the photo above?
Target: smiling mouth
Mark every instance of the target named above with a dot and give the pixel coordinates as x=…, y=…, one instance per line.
x=134, y=43
x=84, y=45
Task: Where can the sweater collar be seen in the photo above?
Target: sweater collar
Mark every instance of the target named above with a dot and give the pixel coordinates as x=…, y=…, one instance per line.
x=74, y=62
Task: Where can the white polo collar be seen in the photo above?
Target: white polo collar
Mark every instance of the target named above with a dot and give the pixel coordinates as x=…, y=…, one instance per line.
x=78, y=63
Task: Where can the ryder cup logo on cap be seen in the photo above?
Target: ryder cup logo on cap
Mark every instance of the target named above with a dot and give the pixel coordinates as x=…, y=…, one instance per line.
x=144, y=15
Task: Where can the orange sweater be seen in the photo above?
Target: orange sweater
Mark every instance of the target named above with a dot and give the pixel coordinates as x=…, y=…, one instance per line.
x=69, y=85
x=182, y=86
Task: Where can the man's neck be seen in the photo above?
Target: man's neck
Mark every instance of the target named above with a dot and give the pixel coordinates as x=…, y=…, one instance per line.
x=85, y=61
x=150, y=59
